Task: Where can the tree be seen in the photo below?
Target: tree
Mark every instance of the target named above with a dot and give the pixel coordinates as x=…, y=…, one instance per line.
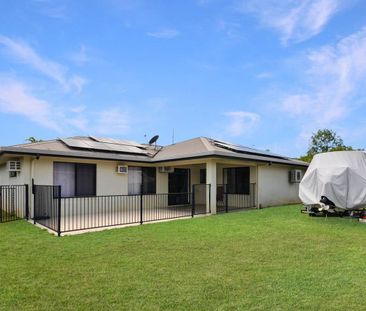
x=324, y=140
x=32, y=139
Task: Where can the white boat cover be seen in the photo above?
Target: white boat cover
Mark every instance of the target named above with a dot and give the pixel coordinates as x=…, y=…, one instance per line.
x=340, y=176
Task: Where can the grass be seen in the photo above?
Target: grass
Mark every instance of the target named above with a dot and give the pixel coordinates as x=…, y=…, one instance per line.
x=270, y=259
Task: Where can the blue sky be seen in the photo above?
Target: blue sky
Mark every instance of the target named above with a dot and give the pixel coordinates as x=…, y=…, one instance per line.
x=260, y=73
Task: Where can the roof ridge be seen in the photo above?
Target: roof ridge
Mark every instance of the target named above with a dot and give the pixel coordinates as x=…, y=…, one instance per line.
x=207, y=143
x=183, y=141
x=35, y=143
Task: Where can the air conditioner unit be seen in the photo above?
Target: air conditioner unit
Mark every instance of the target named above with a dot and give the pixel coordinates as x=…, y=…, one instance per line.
x=14, y=166
x=295, y=176
x=122, y=169
x=166, y=169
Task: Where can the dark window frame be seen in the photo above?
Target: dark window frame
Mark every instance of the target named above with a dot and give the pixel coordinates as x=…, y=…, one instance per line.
x=76, y=165
x=146, y=188
x=180, y=198
x=148, y=179
x=203, y=178
x=239, y=182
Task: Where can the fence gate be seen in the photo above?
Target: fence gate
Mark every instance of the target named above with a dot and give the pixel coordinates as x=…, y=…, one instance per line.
x=13, y=202
x=201, y=199
x=47, y=206
x=227, y=200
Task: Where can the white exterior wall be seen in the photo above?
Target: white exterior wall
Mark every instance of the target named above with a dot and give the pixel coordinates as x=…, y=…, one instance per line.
x=161, y=182
x=21, y=178
x=274, y=187
x=108, y=180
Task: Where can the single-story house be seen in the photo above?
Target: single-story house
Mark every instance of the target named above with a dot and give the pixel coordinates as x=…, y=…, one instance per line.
x=221, y=174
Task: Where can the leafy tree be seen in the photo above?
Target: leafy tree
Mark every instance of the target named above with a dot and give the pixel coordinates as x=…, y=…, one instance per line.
x=32, y=139
x=324, y=140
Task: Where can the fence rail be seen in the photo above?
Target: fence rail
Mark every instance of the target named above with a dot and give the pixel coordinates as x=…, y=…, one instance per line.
x=14, y=203
x=65, y=214
x=227, y=202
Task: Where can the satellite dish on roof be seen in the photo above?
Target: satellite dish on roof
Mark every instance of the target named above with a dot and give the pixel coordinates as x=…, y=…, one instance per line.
x=153, y=140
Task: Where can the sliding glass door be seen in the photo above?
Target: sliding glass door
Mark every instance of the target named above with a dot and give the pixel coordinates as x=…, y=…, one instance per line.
x=179, y=184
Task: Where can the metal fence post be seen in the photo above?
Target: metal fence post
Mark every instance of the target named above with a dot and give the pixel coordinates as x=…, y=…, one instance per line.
x=209, y=198
x=1, y=204
x=226, y=200
x=193, y=201
x=141, y=204
x=253, y=196
x=26, y=201
x=34, y=191
x=59, y=211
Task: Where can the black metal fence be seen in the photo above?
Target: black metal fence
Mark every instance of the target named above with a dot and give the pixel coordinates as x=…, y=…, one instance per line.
x=227, y=202
x=47, y=206
x=66, y=214
x=14, y=203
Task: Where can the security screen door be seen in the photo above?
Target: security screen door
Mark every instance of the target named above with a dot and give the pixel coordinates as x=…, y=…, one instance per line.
x=179, y=187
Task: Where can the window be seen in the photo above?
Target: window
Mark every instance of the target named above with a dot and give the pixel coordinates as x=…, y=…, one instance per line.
x=237, y=180
x=134, y=180
x=149, y=180
x=75, y=179
x=145, y=176
x=298, y=175
x=202, y=176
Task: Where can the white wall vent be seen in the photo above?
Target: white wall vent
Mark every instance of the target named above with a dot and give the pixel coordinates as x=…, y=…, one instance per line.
x=14, y=166
x=295, y=176
x=166, y=169
x=122, y=169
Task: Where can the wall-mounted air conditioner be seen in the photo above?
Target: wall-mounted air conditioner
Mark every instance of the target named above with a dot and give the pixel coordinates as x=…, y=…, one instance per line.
x=166, y=169
x=122, y=169
x=295, y=176
x=14, y=166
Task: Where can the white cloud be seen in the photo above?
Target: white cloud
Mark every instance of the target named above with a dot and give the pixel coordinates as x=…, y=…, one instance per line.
x=23, y=53
x=16, y=98
x=296, y=21
x=78, y=109
x=334, y=77
x=231, y=29
x=112, y=121
x=80, y=57
x=79, y=122
x=334, y=74
x=78, y=83
x=166, y=33
x=264, y=75
x=241, y=122
x=50, y=8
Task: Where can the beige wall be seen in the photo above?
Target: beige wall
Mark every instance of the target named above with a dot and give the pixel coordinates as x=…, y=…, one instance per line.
x=108, y=180
x=274, y=187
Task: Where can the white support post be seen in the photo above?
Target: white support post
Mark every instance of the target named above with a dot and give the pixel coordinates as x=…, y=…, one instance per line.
x=211, y=171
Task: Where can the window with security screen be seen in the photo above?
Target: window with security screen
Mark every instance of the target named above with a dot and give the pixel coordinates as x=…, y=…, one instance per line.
x=75, y=179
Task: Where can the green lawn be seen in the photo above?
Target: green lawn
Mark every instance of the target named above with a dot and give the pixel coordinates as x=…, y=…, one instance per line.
x=270, y=259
